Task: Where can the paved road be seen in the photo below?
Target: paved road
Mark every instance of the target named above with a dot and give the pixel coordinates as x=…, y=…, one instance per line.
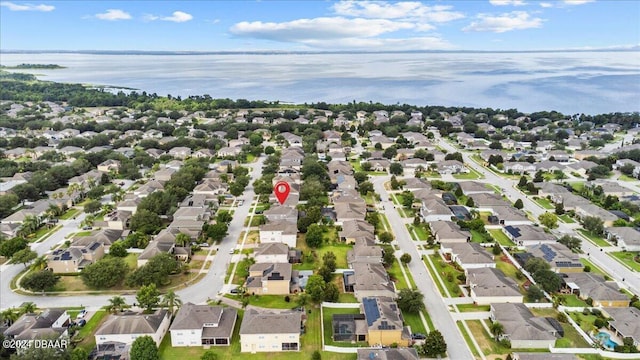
x=600, y=258
x=200, y=292
x=440, y=315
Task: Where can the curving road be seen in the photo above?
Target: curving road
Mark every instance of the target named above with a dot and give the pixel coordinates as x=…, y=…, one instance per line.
x=205, y=289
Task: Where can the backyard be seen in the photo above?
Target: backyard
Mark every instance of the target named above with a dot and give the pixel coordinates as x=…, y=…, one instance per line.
x=500, y=237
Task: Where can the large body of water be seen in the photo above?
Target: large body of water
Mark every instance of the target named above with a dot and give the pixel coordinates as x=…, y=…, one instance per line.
x=570, y=82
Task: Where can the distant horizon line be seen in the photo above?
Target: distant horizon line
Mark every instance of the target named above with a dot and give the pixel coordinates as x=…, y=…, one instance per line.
x=303, y=52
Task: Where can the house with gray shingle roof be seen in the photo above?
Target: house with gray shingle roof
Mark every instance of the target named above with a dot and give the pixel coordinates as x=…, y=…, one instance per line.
x=522, y=328
x=490, y=285
x=203, y=325
x=270, y=331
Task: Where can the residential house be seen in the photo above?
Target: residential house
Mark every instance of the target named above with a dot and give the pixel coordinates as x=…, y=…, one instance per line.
x=560, y=258
x=413, y=184
x=452, y=167
x=109, y=166
x=293, y=140
x=270, y=331
x=285, y=213
x=387, y=354
x=203, y=325
x=468, y=255
x=519, y=167
x=625, y=323
x=350, y=211
x=106, y=237
x=364, y=252
x=522, y=328
x=49, y=324
x=474, y=187
x=229, y=151
x=634, y=165
x=447, y=232
x=542, y=356
x=434, y=209
x=489, y=285
x=269, y=279
x=127, y=327
x=626, y=238
x=384, y=322
x=279, y=231
x=74, y=258
x=271, y=253
x=587, y=209
x=527, y=235
x=590, y=285
x=129, y=205
x=368, y=280
x=355, y=230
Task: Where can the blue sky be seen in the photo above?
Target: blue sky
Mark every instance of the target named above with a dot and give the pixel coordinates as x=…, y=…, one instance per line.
x=319, y=25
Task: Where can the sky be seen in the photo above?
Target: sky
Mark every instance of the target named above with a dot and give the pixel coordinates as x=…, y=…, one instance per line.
x=486, y=25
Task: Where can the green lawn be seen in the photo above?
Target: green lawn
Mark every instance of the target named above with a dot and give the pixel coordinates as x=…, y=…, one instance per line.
x=486, y=342
x=627, y=258
x=572, y=301
x=242, y=271
x=415, y=322
x=385, y=223
x=471, y=175
x=327, y=314
x=511, y=271
x=500, y=237
x=594, y=238
x=339, y=250
x=269, y=301
x=433, y=276
x=448, y=274
x=420, y=232
x=396, y=274
x=472, y=307
x=397, y=199
x=544, y=202
x=70, y=214
x=467, y=339
x=408, y=272
x=594, y=269
x=571, y=339
x=626, y=178
x=477, y=236
x=585, y=321
x=85, y=336
x=566, y=219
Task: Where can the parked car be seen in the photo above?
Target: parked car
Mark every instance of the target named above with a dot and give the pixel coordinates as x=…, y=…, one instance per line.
x=81, y=314
x=234, y=291
x=418, y=336
x=81, y=322
x=87, y=228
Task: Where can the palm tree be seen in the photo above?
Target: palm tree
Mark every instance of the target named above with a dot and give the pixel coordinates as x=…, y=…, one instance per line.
x=116, y=303
x=171, y=300
x=496, y=329
x=28, y=308
x=9, y=316
x=53, y=211
x=39, y=263
x=29, y=225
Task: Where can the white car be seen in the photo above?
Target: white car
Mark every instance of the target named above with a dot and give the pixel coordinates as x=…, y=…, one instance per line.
x=81, y=314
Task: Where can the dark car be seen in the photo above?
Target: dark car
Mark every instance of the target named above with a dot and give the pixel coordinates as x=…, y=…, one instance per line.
x=234, y=291
x=81, y=322
x=418, y=336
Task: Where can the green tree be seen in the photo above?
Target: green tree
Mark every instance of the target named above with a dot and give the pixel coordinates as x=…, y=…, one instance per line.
x=396, y=168
x=24, y=256
x=365, y=188
x=548, y=220
x=407, y=199
x=104, y=273
x=116, y=303
x=385, y=237
x=331, y=292
x=329, y=260
x=405, y=258
x=411, y=301
x=182, y=239
x=28, y=308
x=522, y=182
x=518, y=204
x=224, y=216
x=548, y=280
x=79, y=354
x=571, y=242
x=314, y=235
x=155, y=271
x=315, y=288
x=171, y=300
x=148, y=296
x=470, y=202
x=535, y=264
x=145, y=222
x=144, y=348
x=496, y=250
x=559, y=208
x=316, y=355
x=497, y=329
x=118, y=249
x=538, y=178
x=593, y=224
x=434, y=345
x=92, y=206
x=39, y=280
x=12, y=246
x=217, y=231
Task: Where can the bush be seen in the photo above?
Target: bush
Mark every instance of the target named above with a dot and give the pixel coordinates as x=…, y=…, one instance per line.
x=600, y=323
x=562, y=317
x=587, y=268
x=589, y=301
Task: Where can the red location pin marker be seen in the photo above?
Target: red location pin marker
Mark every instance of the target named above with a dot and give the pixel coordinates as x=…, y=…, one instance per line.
x=282, y=190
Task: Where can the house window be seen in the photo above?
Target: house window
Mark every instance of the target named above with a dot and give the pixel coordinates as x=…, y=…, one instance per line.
x=293, y=346
x=222, y=341
x=261, y=337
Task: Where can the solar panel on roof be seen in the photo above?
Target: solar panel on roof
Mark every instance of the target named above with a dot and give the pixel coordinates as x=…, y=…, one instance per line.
x=371, y=311
x=515, y=232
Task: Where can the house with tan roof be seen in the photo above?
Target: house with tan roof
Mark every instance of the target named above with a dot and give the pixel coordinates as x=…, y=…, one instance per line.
x=449, y=232
x=125, y=328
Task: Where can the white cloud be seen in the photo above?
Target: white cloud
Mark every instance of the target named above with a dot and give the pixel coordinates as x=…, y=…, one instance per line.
x=113, y=15
x=27, y=7
x=318, y=28
x=577, y=2
x=546, y=4
x=507, y=2
x=515, y=20
x=399, y=10
x=178, y=16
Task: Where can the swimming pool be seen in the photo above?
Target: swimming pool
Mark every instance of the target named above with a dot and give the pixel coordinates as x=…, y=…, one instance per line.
x=605, y=339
